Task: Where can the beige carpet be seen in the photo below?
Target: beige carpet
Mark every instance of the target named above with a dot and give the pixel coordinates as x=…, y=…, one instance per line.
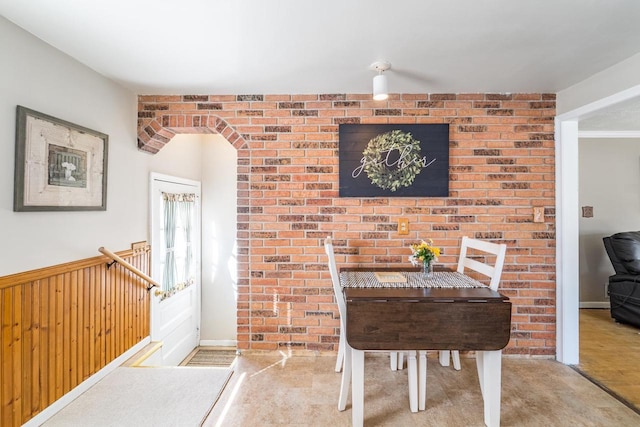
x=140, y=397
x=222, y=358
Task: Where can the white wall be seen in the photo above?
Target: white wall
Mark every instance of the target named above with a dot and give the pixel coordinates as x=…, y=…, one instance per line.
x=37, y=76
x=219, y=205
x=610, y=182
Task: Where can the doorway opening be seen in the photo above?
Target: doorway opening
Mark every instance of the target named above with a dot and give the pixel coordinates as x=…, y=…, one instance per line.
x=217, y=171
x=175, y=243
x=567, y=222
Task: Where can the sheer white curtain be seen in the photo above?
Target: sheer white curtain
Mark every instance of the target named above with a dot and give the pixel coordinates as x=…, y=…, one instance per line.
x=186, y=211
x=179, y=220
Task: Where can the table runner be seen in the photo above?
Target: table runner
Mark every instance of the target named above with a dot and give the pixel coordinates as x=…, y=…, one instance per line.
x=440, y=279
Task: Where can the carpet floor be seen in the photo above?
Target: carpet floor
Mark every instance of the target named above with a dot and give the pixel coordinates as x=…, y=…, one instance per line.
x=141, y=397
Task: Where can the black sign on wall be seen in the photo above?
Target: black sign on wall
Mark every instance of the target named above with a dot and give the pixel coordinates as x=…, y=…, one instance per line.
x=394, y=160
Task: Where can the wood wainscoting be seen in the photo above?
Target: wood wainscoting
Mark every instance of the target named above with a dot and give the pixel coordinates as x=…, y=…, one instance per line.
x=62, y=324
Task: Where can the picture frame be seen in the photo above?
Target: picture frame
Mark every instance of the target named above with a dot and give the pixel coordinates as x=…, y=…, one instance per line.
x=393, y=160
x=59, y=165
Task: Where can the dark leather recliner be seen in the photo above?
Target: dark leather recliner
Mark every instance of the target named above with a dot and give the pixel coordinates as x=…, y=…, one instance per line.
x=624, y=286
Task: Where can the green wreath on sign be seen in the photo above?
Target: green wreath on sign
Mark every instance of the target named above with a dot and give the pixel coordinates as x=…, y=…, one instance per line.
x=392, y=160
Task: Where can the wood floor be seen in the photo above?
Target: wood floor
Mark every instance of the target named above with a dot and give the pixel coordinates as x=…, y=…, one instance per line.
x=609, y=354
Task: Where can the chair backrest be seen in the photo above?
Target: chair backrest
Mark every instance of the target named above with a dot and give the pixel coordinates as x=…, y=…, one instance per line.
x=618, y=266
x=335, y=279
x=492, y=271
x=624, y=251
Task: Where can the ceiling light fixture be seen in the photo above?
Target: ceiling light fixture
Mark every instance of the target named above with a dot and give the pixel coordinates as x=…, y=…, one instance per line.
x=380, y=88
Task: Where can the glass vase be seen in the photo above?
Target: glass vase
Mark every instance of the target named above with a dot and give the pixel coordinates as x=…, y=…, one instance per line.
x=427, y=269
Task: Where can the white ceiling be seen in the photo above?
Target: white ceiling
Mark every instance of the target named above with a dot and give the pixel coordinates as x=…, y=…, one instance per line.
x=623, y=116
x=297, y=46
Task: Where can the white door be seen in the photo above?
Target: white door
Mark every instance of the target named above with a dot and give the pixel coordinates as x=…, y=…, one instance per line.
x=175, y=254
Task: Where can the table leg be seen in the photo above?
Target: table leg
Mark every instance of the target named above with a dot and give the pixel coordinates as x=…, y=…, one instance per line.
x=357, y=387
x=422, y=380
x=490, y=376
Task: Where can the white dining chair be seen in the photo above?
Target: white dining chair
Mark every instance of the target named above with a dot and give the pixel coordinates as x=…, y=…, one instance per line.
x=396, y=358
x=343, y=361
x=491, y=271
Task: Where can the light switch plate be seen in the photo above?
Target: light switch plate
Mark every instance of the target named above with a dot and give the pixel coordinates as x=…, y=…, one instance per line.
x=403, y=225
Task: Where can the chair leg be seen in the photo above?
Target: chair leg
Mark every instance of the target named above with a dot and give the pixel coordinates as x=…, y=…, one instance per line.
x=396, y=360
x=422, y=380
x=346, y=378
x=413, y=380
x=340, y=358
x=480, y=367
x=455, y=355
x=357, y=388
x=444, y=357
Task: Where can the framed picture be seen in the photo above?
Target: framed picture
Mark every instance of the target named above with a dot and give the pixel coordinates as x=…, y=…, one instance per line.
x=60, y=166
x=389, y=160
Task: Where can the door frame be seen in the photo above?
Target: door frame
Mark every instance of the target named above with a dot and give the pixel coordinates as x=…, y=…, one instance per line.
x=567, y=229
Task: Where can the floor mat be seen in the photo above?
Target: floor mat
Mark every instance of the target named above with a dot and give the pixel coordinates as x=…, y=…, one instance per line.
x=212, y=357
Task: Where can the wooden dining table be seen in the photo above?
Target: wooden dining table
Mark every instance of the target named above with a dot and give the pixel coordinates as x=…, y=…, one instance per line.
x=449, y=311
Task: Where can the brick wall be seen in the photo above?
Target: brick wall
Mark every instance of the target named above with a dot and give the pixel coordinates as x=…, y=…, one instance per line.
x=501, y=166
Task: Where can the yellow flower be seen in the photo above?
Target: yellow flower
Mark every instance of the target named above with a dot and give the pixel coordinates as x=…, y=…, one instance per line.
x=424, y=252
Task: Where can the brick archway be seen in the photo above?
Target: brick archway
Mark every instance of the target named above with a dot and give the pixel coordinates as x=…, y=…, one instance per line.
x=154, y=133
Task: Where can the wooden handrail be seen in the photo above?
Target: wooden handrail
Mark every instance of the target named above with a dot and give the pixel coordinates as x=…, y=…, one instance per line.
x=129, y=267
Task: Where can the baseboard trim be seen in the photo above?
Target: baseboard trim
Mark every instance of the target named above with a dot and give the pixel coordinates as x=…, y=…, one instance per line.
x=218, y=343
x=57, y=406
x=595, y=304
